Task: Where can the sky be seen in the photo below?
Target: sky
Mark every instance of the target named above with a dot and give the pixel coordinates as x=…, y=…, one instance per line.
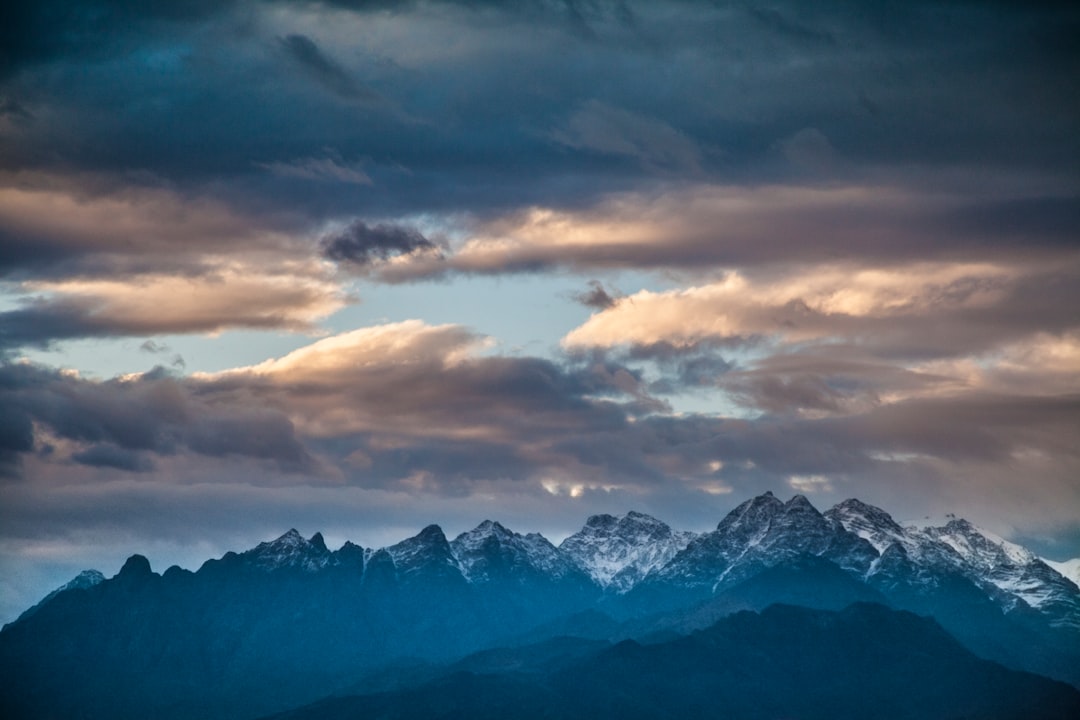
x=358, y=266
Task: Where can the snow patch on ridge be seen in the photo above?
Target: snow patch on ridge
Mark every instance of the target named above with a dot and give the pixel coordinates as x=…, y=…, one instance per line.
x=617, y=553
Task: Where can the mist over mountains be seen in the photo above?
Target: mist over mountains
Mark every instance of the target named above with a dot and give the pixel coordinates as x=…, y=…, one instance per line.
x=773, y=587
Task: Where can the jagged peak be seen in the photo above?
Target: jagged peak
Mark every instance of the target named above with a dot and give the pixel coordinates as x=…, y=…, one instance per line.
x=87, y=578
x=431, y=532
x=853, y=507
x=638, y=519
x=492, y=527
x=960, y=525
x=856, y=506
x=765, y=504
x=291, y=540
x=290, y=550
x=969, y=539
x=603, y=520
x=431, y=537
x=799, y=502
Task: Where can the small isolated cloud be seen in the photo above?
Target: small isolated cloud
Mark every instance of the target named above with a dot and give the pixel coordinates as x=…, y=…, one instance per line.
x=322, y=169
x=153, y=347
x=810, y=483
x=361, y=244
x=596, y=297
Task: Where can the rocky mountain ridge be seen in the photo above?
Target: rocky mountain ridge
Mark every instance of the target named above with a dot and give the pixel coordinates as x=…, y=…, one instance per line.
x=619, y=554
x=291, y=620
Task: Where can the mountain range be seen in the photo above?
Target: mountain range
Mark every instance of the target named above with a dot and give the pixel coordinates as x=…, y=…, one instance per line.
x=291, y=621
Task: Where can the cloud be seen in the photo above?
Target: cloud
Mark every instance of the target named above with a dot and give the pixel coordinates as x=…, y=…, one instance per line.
x=421, y=409
x=382, y=406
x=700, y=227
x=122, y=423
x=128, y=89
x=596, y=297
x=924, y=309
x=809, y=483
x=853, y=237
x=93, y=225
x=410, y=385
x=831, y=379
x=410, y=420
x=233, y=296
x=325, y=169
x=362, y=244
x=111, y=456
x=597, y=127
x=92, y=261
x=328, y=73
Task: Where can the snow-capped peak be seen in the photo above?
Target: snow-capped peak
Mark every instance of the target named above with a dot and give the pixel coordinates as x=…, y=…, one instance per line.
x=1069, y=569
x=868, y=522
x=291, y=550
x=750, y=520
x=618, y=552
x=491, y=550
x=995, y=563
x=83, y=581
x=427, y=551
x=980, y=547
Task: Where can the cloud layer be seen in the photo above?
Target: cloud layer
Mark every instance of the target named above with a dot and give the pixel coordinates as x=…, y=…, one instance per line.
x=731, y=248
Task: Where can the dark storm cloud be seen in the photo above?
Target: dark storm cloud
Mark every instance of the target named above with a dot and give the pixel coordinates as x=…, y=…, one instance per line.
x=16, y=438
x=360, y=243
x=599, y=111
x=122, y=420
x=50, y=30
x=111, y=456
x=40, y=324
